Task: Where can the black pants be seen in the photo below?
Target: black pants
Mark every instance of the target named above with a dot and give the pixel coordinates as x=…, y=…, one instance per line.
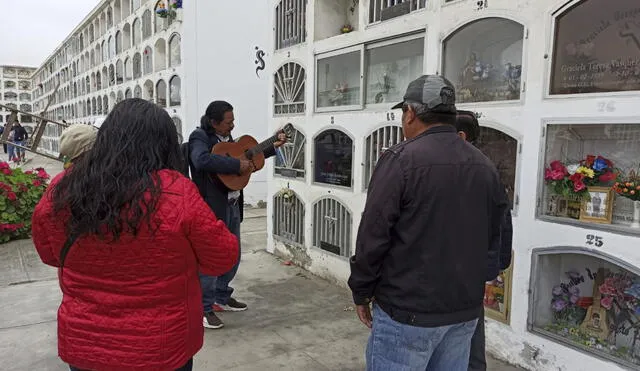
x=477, y=358
x=186, y=367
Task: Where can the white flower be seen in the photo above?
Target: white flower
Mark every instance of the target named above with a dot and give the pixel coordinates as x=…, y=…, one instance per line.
x=573, y=168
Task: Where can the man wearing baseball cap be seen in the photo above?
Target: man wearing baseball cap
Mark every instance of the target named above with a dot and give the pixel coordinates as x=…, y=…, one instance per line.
x=433, y=208
x=75, y=141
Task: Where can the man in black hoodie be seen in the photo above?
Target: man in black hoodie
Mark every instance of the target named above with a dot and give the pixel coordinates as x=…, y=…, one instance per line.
x=469, y=130
x=424, y=277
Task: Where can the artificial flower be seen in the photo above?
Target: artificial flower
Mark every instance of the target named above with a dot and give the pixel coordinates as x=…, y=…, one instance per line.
x=589, y=160
x=579, y=186
x=600, y=164
x=607, y=302
x=557, y=165
x=588, y=173
x=608, y=177
x=559, y=305
x=557, y=291
x=572, y=168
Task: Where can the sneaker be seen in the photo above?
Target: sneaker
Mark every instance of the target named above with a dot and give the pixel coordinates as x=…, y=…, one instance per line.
x=210, y=320
x=232, y=306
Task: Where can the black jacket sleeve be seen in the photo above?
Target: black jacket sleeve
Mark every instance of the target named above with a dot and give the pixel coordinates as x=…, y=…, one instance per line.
x=203, y=160
x=506, y=240
x=269, y=152
x=381, y=212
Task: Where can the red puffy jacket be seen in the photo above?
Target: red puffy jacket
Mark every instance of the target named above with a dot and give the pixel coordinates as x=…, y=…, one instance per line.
x=136, y=304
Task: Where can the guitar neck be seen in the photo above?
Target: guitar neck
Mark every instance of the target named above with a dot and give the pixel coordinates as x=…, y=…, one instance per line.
x=262, y=146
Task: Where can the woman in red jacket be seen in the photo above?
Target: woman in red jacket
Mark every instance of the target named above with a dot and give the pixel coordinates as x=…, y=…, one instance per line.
x=130, y=234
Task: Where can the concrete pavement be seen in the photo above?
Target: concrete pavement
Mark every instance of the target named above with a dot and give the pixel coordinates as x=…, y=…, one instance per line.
x=295, y=321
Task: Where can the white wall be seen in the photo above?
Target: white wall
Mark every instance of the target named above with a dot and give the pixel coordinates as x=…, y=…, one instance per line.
x=219, y=64
x=522, y=119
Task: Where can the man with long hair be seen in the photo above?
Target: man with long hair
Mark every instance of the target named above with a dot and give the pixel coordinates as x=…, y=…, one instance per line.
x=215, y=127
x=500, y=255
x=129, y=234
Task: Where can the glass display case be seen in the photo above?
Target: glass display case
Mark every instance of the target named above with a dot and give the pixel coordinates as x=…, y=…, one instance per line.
x=333, y=158
x=391, y=67
x=587, y=300
x=289, y=161
x=590, y=175
x=497, y=296
x=338, y=80
x=596, y=48
x=503, y=150
x=483, y=59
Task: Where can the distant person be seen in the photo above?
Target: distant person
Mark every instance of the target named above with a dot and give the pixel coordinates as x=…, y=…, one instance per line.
x=500, y=256
x=130, y=234
x=20, y=139
x=11, y=148
x=75, y=141
x=433, y=210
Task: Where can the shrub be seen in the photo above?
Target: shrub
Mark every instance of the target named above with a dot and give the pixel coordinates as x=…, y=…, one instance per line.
x=20, y=191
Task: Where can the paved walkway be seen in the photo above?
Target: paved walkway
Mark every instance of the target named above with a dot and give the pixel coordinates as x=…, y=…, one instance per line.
x=295, y=321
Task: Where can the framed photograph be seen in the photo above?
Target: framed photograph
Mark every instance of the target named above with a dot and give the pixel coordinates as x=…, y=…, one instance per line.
x=497, y=296
x=599, y=209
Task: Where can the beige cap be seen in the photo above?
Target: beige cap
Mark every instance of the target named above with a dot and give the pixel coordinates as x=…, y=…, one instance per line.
x=77, y=139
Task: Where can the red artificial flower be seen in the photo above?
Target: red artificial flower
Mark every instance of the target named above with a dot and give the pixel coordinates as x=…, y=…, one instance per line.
x=4, y=165
x=579, y=186
x=576, y=177
x=43, y=174
x=37, y=183
x=11, y=196
x=590, y=160
x=29, y=172
x=558, y=166
x=608, y=176
x=6, y=171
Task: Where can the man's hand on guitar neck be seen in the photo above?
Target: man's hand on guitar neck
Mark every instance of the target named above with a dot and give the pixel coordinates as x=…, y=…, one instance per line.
x=282, y=139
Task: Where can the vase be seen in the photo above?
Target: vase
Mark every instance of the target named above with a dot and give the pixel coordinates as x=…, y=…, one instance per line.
x=636, y=215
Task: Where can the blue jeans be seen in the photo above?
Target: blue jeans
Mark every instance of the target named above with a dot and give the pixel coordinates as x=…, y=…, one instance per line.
x=11, y=151
x=19, y=151
x=399, y=347
x=217, y=289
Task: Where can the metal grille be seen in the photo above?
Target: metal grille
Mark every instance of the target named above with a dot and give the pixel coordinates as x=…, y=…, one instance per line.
x=378, y=7
x=332, y=227
x=376, y=143
x=290, y=23
x=289, y=90
x=288, y=218
x=290, y=157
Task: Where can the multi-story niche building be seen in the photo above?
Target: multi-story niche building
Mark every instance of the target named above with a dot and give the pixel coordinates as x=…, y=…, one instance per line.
x=551, y=80
x=15, y=92
x=122, y=49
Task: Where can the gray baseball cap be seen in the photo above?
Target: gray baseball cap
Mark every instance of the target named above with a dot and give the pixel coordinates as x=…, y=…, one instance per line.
x=434, y=91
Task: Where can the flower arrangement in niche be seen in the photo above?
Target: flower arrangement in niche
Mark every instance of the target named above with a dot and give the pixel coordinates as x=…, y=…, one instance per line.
x=565, y=184
x=571, y=181
x=565, y=302
x=628, y=186
x=19, y=193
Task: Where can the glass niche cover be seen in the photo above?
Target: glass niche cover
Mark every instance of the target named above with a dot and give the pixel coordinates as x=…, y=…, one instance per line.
x=484, y=60
x=391, y=68
x=333, y=158
x=591, y=174
x=587, y=302
x=597, y=48
x=338, y=82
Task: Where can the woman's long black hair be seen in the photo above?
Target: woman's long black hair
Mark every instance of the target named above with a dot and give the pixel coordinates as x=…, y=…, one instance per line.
x=114, y=187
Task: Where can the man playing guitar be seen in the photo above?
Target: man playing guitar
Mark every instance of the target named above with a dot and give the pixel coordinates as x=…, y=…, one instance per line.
x=215, y=127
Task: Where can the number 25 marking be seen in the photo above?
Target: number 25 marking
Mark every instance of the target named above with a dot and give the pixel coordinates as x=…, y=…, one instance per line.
x=593, y=240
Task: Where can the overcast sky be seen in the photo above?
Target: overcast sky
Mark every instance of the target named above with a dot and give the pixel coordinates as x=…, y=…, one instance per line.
x=31, y=29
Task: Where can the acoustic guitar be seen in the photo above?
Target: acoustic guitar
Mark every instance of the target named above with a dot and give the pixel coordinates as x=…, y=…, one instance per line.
x=245, y=148
x=596, y=322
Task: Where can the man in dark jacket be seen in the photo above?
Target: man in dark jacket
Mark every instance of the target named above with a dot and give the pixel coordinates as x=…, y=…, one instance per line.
x=20, y=139
x=433, y=208
x=216, y=126
x=500, y=259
